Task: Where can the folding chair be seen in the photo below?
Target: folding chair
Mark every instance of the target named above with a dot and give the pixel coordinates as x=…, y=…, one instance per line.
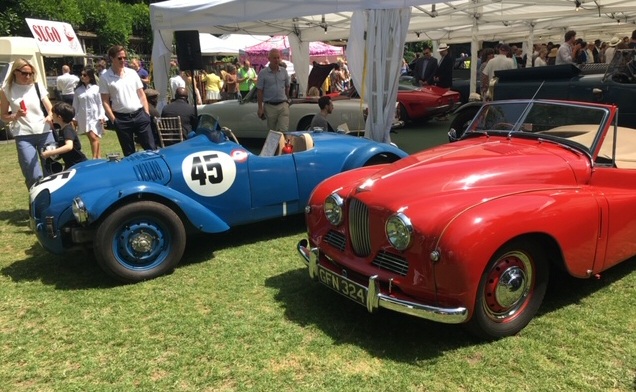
x=169, y=129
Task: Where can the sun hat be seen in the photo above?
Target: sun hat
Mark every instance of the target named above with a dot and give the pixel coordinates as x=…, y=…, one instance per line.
x=443, y=47
x=614, y=41
x=553, y=52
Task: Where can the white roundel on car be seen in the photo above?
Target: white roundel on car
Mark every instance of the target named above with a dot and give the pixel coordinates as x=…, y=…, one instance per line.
x=209, y=173
x=52, y=183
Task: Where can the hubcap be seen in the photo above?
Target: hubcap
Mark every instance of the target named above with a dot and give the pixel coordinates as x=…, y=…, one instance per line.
x=508, y=285
x=142, y=242
x=510, y=288
x=141, y=245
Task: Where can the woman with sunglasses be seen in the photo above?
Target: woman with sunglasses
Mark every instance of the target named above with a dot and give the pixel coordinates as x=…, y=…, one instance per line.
x=89, y=112
x=22, y=107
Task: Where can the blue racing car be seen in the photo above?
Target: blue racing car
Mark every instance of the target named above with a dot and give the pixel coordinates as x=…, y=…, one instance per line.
x=136, y=211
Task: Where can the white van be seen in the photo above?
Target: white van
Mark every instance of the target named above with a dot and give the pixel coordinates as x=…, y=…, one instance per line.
x=12, y=48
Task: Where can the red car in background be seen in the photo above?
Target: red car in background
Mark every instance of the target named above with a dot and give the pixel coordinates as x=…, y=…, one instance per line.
x=414, y=103
x=418, y=103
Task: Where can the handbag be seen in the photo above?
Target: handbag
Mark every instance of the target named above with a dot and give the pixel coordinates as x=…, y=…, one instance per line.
x=37, y=90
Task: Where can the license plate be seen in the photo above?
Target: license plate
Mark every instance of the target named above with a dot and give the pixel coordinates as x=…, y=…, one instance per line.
x=344, y=286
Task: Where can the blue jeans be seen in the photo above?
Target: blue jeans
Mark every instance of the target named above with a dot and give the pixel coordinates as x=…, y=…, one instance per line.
x=28, y=155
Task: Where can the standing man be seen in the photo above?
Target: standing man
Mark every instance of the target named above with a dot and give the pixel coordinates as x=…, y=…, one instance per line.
x=320, y=118
x=176, y=81
x=273, y=93
x=66, y=84
x=246, y=78
x=101, y=67
x=125, y=103
x=444, y=74
x=501, y=61
x=425, y=69
x=568, y=51
x=143, y=74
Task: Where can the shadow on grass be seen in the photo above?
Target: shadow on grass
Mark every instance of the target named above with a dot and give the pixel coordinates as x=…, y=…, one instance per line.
x=78, y=268
x=565, y=290
x=400, y=337
x=19, y=218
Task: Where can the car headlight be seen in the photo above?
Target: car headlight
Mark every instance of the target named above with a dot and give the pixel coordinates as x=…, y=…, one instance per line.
x=79, y=211
x=333, y=209
x=398, y=231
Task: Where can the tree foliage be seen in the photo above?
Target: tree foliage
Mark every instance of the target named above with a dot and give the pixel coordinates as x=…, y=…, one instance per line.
x=113, y=21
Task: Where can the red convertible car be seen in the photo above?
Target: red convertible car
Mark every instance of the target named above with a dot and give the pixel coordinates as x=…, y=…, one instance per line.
x=467, y=232
x=418, y=103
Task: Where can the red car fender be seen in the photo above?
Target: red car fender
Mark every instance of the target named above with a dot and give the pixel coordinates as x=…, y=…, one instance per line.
x=468, y=242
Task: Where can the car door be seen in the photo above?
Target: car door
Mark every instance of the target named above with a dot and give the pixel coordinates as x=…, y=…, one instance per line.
x=614, y=184
x=273, y=186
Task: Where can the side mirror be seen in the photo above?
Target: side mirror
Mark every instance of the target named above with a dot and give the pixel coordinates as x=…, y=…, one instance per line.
x=452, y=135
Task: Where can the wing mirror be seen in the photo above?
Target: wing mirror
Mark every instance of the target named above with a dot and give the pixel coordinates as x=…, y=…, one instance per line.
x=452, y=135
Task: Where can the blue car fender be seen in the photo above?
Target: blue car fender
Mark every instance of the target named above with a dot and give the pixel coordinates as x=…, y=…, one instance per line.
x=98, y=202
x=365, y=156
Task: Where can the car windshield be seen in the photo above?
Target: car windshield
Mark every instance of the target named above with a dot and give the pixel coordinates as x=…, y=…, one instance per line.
x=563, y=122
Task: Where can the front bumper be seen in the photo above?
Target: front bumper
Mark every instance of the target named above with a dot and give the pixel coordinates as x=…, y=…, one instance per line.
x=375, y=299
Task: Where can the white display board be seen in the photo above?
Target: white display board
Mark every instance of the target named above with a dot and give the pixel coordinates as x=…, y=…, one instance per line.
x=55, y=38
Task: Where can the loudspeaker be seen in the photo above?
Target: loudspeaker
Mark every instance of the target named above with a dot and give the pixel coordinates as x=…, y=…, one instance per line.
x=188, y=50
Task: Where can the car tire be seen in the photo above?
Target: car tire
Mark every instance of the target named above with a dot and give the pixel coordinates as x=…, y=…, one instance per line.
x=140, y=241
x=510, y=291
x=462, y=119
x=404, y=115
x=304, y=123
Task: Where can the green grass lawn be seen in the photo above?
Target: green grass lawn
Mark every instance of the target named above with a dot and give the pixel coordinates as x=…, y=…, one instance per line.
x=240, y=314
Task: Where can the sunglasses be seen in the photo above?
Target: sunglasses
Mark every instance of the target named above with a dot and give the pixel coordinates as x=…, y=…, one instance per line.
x=121, y=58
x=25, y=73
x=84, y=74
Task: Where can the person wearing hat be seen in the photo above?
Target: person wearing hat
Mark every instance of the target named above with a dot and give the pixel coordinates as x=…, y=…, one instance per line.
x=611, y=49
x=501, y=61
x=444, y=74
x=569, y=50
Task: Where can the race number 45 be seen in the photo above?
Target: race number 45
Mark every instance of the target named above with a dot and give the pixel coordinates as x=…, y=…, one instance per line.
x=209, y=173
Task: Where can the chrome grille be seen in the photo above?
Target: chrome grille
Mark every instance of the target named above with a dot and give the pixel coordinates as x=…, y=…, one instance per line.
x=359, y=228
x=149, y=171
x=391, y=262
x=335, y=239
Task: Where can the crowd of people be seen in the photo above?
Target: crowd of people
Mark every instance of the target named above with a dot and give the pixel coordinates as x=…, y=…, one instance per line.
x=572, y=50
x=121, y=94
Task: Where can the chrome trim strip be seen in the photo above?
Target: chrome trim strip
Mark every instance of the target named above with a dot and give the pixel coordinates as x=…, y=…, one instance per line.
x=375, y=299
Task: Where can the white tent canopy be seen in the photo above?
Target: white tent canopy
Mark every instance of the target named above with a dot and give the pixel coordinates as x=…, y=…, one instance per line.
x=454, y=21
x=213, y=45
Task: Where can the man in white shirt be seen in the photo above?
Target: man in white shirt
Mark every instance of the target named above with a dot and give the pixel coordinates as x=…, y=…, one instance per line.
x=568, y=51
x=125, y=103
x=66, y=84
x=176, y=82
x=500, y=62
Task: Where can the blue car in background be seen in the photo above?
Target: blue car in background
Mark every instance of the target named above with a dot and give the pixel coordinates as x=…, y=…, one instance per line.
x=136, y=211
